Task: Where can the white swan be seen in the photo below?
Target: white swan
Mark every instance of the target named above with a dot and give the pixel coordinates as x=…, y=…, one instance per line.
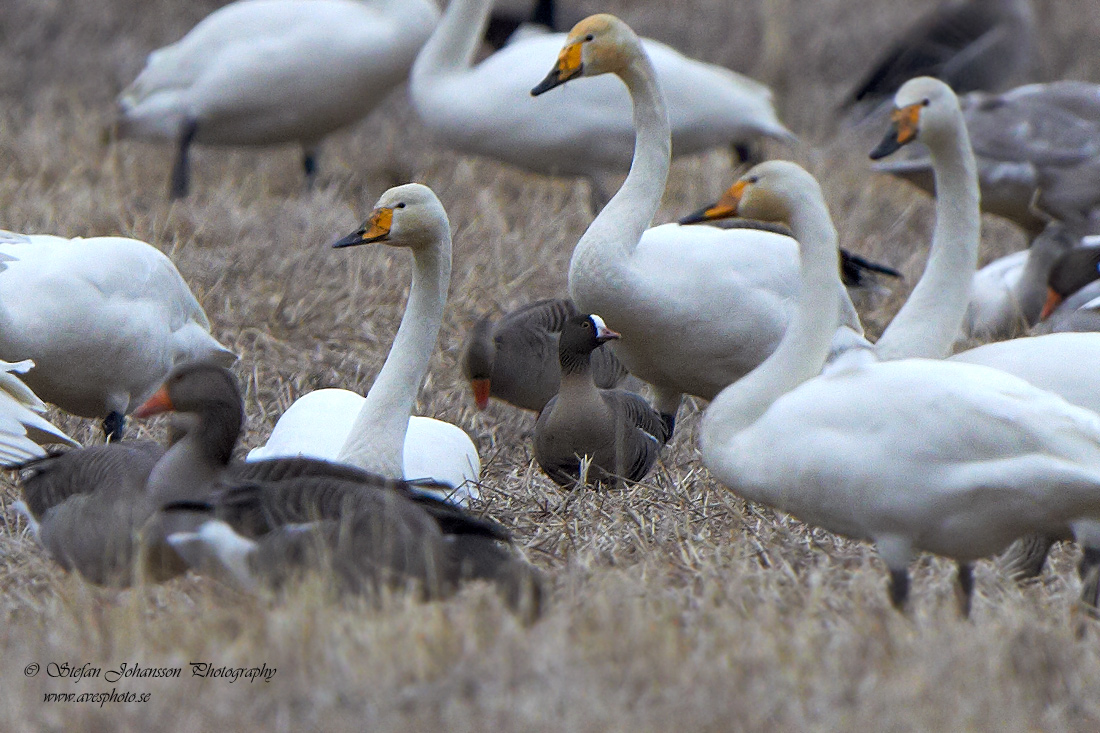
x=911, y=454
x=697, y=307
x=262, y=72
x=23, y=430
x=104, y=319
x=486, y=109
x=376, y=433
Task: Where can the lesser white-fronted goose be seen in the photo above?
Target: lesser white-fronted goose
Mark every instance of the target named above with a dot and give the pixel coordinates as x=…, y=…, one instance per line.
x=376, y=433
x=969, y=44
x=1038, y=151
x=486, y=109
x=264, y=72
x=695, y=305
x=515, y=359
x=911, y=454
x=104, y=319
x=618, y=431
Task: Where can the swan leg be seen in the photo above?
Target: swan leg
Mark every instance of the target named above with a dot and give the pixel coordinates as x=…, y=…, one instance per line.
x=181, y=169
x=113, y=426
x=1026, y=556
x=309, y=165
x=899, y=587
x=965, y=588
x=1089, y=570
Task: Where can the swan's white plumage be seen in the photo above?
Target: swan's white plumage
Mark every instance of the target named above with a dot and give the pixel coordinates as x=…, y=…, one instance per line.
x=259, y=72
x=318, y=425
x=22, y=428
x=104, y=319
x=376, y=433
x=696, y=306
x=913, y=454
x=585, y=128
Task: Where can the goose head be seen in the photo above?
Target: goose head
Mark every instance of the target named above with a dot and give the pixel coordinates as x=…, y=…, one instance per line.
x=580, y=336
x=477, y=362
x=404, y=216
x=767, y=193
x=1074, y=270
x=599, y=44
x=924, y=109
x=205, y=398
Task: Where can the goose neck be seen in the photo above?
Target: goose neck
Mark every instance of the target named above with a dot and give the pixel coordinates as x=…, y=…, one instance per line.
x=805, y=344
x=198, y=457
x=377, y=438
x=931, y=319
x=613, y=235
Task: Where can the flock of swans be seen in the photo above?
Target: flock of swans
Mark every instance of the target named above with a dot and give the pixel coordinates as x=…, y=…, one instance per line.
x=900, y=443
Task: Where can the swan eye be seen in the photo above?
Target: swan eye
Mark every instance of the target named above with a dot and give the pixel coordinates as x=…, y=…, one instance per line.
x=590, y=37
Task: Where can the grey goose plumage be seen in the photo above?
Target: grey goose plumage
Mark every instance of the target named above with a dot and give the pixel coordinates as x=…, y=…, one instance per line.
x=618, y=431
x=515, y=358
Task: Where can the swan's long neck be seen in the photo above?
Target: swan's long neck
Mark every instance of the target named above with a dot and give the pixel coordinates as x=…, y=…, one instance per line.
x=930, y=321
x=455, y=40
x=377, y=439
x=801, y=353
x=603, y=252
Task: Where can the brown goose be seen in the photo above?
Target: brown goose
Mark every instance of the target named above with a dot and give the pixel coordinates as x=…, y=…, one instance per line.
x=267, y=521
x=618, y=430
x=516, y=358
x=969, y=44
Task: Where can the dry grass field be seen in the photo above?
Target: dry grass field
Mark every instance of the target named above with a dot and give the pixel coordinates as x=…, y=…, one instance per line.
x=673, y=605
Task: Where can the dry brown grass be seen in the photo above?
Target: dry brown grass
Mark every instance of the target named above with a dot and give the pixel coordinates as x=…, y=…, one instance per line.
x=674, y=604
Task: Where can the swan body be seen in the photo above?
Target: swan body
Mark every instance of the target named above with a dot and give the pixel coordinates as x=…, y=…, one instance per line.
x=372, y=433
x=319, y=423
x=23, y=430
x=263, y=72
x=911, y=454
x=104, y=319
x=585, y=130
x=696, y=306
x=1038, y=149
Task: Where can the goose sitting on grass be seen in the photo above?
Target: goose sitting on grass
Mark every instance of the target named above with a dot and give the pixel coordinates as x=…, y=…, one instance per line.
x=617, y=433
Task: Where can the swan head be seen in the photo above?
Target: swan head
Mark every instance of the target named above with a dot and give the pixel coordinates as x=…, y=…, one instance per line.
x=924, y=108
x=404, y=216
x=599, y=44
x=767, y=193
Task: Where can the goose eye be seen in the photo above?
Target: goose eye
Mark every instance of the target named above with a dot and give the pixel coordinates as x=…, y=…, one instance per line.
x=926, y=102
x=590, y=37
x=400, y=205
x=753, y=179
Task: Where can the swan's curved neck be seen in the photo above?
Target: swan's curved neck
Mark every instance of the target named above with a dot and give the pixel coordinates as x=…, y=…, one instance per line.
x=377, y=439
x=930, y=321
x=601, y=255
x=803, y=349
x=455, y=40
